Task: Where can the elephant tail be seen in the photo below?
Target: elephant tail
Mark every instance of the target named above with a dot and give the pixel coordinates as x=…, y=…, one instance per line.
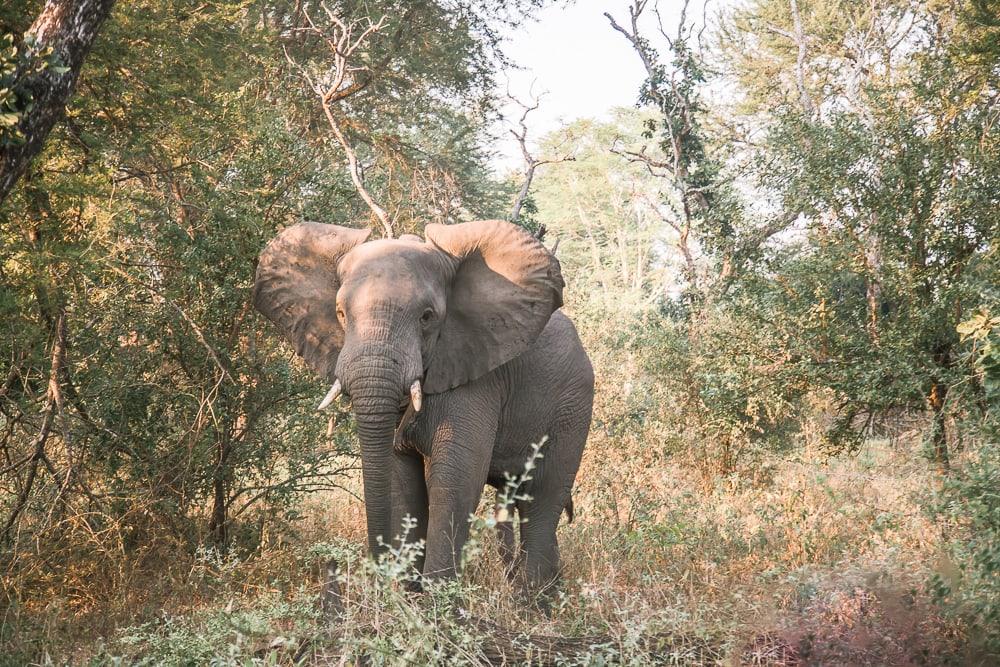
x=569, y=510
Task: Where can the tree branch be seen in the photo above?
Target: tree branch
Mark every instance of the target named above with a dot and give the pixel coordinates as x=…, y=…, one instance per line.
x=530, y=162
x=52, y=400
x=342, y=80
x=69, y=27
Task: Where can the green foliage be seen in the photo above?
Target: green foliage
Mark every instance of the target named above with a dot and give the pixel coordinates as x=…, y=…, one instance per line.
x=245, y=636
x=888, y=174
x=417, y=117
x=17, y=63
x=762, y=279
x=983, y=332
x=970, y=500
x=972, y=590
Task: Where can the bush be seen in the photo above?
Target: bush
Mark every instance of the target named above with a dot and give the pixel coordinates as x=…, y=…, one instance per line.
x=971, y=500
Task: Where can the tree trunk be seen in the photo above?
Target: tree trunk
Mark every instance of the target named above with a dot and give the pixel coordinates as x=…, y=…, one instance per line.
x=937, y=403
x=218, y=525
x=939, y=434
x=69, y=27
x=529, y=175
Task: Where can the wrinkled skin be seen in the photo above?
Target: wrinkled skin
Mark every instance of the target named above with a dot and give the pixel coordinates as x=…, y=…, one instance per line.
x=470, y=314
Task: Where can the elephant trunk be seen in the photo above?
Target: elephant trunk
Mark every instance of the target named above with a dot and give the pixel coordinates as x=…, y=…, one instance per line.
x=378, y=391
x=376, y=418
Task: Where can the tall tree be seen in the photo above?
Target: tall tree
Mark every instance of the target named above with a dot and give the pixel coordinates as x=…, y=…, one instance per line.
x=37, y=96
x=890, y=166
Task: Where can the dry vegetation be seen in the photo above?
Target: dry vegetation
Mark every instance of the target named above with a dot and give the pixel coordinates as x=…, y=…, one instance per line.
x=827, y=563
x=820, y=560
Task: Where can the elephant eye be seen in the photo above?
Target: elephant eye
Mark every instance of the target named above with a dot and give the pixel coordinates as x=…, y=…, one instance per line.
x=340, y=315
x=427, y=316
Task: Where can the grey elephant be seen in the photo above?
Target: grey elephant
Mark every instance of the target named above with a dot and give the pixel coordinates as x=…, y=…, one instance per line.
x=456, y=360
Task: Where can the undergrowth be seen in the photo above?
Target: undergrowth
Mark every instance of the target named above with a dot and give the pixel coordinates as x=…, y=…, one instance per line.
x=829, y=563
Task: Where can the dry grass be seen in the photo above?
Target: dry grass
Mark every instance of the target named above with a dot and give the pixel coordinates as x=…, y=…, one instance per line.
x=809, y=559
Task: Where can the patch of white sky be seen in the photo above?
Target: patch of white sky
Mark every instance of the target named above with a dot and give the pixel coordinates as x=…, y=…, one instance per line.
x=584, y=68
x=581, y=66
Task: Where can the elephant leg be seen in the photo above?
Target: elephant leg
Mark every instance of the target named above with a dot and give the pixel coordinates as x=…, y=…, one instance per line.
x=456, y=475
x=409, y=499
x=551, y=493
x=539, y=567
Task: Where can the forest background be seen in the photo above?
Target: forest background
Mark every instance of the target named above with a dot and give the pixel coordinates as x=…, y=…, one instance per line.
x=782, y=261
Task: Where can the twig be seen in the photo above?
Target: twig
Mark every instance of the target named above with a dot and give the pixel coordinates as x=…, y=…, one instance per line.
x=531, y=163
x=343, y=80
x=223, y=368
x=51, y=401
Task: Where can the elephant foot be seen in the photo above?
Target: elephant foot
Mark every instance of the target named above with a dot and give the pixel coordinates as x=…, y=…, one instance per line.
x=541, y=596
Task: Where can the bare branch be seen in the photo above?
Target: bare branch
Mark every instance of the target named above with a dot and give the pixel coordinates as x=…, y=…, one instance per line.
x=531, y=163
x=640, y=44
x=52, y=400
x=780, y=31
x=647, y=161
x=352, y=162
x=342, y=80
x=799, y=39
x=800, y=62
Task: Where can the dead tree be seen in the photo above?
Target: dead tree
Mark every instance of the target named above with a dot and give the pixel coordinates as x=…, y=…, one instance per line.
x=346, y=76
x=681, y=148
x=68, y=28
x=531, y=163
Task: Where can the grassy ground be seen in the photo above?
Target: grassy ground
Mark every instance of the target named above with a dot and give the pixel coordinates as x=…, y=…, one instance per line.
x=821, y=561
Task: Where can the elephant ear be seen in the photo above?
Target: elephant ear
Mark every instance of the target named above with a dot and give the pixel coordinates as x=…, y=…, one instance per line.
x=506, y=286
x=296, y=288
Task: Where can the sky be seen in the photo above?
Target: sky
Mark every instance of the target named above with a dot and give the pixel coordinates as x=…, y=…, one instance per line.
x=582, y=65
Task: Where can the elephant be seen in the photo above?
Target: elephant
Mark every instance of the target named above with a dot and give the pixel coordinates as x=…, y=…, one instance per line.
x=456, y=360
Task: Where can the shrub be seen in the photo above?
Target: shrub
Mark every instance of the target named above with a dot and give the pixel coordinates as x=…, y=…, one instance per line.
x=971, y=500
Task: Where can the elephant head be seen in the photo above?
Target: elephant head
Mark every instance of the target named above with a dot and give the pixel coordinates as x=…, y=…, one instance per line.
x=390, y=320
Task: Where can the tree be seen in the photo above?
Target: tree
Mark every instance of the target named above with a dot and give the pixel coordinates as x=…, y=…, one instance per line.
x=715, y=238
x=699, y=201
x=406, y=110
x=890, y=166
x=36, y=96
x=603, y=211
x=531, y=162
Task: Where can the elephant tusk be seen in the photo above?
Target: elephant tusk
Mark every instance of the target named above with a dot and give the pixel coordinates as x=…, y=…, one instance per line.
x=331, y=396
x=416, y=396
x=397, y=436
